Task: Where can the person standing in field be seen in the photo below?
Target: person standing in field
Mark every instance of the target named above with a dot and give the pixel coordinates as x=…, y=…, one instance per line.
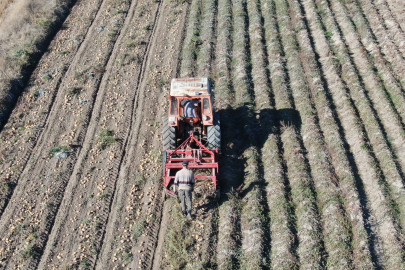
x=184, y=182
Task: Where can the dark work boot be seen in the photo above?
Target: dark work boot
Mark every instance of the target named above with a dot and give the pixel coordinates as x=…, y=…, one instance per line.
x=184, y=214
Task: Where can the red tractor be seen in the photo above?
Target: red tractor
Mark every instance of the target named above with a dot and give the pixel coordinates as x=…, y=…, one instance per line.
x=191, y=131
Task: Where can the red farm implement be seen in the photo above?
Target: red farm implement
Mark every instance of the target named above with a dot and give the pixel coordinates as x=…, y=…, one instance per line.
x=199, y=158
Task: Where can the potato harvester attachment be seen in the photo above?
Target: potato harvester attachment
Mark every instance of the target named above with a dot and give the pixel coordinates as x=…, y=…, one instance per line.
x=198, y=158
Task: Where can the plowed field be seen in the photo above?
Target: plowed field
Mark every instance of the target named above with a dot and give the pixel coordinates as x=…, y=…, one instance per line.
x=311, y=97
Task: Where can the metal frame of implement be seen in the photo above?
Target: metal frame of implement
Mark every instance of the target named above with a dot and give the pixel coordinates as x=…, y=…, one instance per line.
x=201, y=158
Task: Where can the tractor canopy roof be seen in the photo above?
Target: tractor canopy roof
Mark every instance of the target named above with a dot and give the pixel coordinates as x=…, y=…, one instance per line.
x=190, y=87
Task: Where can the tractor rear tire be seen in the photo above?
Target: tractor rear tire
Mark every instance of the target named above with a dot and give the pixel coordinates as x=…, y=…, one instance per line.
x=214, y=134
x=169, y=136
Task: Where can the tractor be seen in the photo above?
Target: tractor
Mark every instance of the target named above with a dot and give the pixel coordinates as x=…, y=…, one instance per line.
x=191, y=130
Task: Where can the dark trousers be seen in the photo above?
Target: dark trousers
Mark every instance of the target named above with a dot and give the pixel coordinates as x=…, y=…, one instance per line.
x=186, y=194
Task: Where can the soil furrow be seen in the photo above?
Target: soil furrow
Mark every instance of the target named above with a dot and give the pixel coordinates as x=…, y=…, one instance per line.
x=383, y=15
x=137, y=209
x=207, y=208
x=385, y=157
x=390, y=167
x=252, y=213
x=24, y=42
x=311, y=102
x=380, y=143
x=205, y=55
x=224, y=95
x=228, y=210
x=266, y=137
x=160, y=251
x=397, y=8
x=192, y=40
x=228, y=243
x=195, y=239
x=336, y=232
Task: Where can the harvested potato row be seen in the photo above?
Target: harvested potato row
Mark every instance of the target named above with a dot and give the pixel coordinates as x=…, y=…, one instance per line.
x=62, y=129
x=33, y=107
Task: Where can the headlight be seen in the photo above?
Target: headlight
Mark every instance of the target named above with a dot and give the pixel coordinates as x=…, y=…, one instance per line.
x=172, y=118
x=204, y=118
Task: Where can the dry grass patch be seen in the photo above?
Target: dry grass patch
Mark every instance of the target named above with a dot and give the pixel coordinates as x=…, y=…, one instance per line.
x=25, y=26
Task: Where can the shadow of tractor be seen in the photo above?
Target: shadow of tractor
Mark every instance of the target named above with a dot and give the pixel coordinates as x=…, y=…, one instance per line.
x=244, y=128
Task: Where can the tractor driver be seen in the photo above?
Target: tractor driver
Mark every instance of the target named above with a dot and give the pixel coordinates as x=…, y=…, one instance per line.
x=184, y=182
x=191, y=110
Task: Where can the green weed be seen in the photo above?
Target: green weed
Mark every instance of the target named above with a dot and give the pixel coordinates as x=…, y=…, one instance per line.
x=137, y=230
x=106, y=138
x=46, y=24
x=120, y=11
x=31, y=251
x=59, y=149
x=47, y=77
x=147, y=27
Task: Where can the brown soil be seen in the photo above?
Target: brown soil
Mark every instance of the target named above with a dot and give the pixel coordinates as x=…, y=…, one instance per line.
x=81, y=159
